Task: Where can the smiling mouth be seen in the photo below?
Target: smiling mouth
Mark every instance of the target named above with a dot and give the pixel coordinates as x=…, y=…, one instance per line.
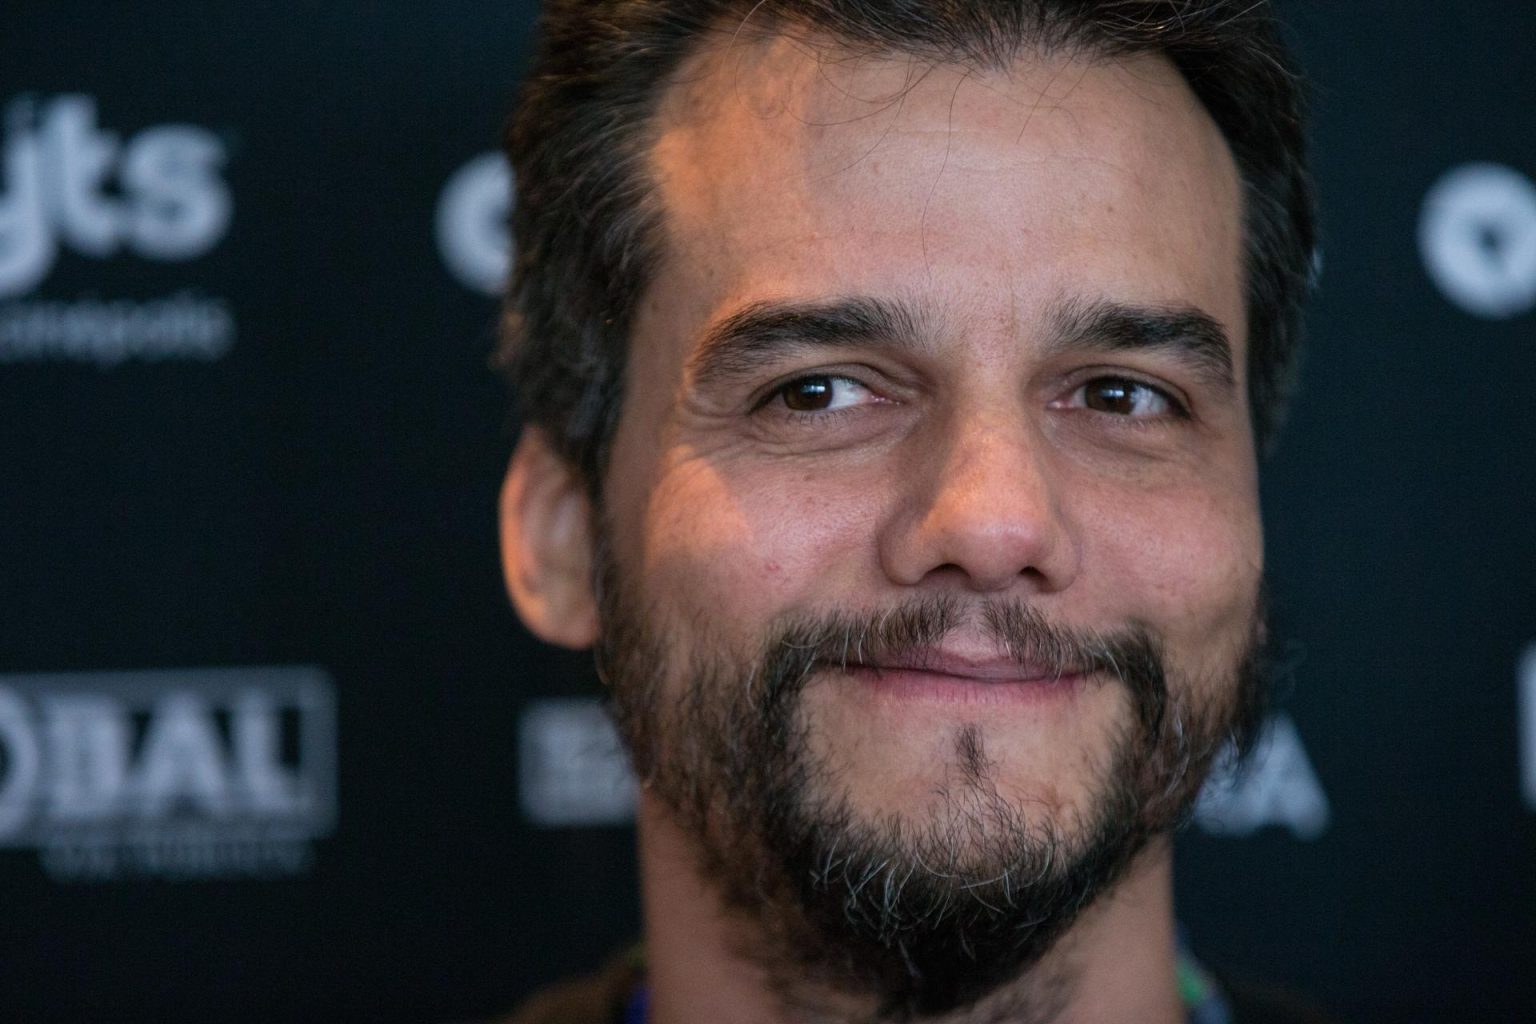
x=946, y=677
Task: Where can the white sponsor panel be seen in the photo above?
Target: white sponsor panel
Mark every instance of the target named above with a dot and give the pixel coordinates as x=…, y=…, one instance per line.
x=180, y=773
x=472, y=231
x=1477, y=235
x=68, y=185
x=1276, y=787
x=573, y=768
x=1526, y=703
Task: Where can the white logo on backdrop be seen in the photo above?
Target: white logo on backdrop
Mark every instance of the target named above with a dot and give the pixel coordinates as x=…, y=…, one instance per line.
x=1477, y=234
x=472, y=231
x=1526, y=701
x=187, y=773
x=68, y=185
x=573, y=769
x=1277, y=787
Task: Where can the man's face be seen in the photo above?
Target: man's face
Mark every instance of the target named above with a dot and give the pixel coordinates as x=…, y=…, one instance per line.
x=950, y=349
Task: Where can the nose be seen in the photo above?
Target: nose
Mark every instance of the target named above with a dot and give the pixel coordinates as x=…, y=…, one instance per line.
x=984, y=508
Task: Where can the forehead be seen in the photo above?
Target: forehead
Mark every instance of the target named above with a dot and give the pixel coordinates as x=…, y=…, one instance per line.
x=790, y=168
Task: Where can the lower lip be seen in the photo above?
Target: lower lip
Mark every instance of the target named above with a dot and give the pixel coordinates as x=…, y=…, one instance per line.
x=902, y=684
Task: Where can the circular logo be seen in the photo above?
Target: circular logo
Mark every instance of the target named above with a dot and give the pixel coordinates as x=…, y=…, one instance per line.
x=472, y=231
x=1477, y=235
x=23, y=764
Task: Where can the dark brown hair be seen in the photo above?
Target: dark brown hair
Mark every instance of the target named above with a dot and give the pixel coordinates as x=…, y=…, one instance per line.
x=587, y=224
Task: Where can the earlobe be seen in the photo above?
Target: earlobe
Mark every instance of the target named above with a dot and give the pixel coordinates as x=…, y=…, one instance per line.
x=547, y=544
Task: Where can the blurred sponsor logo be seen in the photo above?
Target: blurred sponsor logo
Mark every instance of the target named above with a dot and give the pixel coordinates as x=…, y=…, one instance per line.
x=1477, y=235
x=67, y=184
x=186, y=773
x=472, y=231
x=1276, y=787
x=573, y=768
x=1527, y=715
x=183, y=326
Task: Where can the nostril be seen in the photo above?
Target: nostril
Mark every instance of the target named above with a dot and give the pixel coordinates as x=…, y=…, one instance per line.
x=975, y=578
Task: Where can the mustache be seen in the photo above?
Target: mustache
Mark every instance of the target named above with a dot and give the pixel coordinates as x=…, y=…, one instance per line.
x=799, y=646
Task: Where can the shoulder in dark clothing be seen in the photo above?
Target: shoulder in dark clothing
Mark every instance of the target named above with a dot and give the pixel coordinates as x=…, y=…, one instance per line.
x=1259, y=1003
x=600, y=999
x=596, y=999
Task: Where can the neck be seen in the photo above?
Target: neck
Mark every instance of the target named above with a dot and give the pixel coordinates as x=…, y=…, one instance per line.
x=1117, y=962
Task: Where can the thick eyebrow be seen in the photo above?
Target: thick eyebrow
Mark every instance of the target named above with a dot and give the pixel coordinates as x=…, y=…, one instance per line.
x=756, y=335
x=1186, y=332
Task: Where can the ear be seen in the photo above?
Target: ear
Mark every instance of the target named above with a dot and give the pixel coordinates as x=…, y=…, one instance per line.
x=547, y=544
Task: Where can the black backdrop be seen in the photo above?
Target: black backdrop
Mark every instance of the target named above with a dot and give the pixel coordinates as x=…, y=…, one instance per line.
x=272, y=746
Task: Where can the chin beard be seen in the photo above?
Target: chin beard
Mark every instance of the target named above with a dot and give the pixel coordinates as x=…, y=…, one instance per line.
x=923, y=918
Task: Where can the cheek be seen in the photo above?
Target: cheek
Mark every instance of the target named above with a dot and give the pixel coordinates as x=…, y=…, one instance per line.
x=1188, y=561
x=732, y=552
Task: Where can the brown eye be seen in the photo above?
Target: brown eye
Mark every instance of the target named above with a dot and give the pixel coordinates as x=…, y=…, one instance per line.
x=808, y=394
x=1121, y=396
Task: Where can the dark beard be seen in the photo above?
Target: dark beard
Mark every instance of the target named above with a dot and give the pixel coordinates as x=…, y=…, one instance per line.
x=925, y=919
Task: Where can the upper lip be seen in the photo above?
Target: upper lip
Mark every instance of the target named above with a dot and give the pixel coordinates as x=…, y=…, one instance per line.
x=987, y=668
